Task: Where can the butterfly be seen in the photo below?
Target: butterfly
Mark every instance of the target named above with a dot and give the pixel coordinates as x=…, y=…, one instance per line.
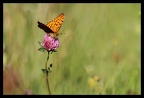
x=53, y=26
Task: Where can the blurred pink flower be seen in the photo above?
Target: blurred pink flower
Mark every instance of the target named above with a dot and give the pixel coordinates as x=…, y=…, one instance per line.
x=50, y=43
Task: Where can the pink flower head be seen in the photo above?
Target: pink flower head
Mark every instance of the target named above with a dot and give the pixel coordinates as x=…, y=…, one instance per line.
x=50, y=43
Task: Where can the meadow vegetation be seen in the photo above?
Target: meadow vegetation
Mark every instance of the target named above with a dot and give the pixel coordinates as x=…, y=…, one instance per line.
x=99, y=53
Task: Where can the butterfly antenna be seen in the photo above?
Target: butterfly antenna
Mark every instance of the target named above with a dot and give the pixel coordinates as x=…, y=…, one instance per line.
x=61, y=33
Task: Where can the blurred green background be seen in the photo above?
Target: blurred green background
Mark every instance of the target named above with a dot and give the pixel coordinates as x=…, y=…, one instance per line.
x=99, y=49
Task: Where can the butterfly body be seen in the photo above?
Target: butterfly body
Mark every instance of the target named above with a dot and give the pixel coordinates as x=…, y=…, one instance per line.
x=53, y=26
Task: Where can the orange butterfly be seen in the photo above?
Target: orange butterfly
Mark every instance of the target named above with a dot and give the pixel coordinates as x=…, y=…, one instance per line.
x=53, y=26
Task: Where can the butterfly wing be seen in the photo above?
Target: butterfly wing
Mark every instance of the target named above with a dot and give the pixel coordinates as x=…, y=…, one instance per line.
x=53, y=26
x=44, y=27
x=56, y=23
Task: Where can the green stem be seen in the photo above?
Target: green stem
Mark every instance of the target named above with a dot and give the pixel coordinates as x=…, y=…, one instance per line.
x=47, y=75
x=48, y=86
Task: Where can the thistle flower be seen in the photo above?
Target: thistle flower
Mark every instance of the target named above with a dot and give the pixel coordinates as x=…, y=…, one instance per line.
x=50, y=43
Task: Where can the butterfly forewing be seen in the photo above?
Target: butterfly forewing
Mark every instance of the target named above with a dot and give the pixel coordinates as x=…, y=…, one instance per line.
x=44, y=27
x=56, y=24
